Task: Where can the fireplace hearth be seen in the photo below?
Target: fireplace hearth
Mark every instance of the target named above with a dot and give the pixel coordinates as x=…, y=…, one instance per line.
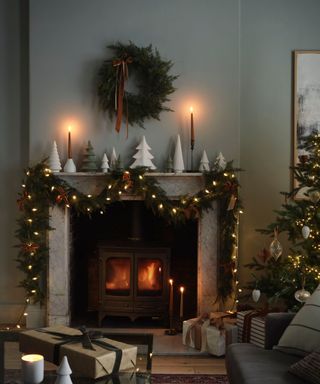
x=68, y=268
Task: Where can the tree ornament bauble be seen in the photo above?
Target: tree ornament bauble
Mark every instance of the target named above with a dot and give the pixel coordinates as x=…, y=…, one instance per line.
x=256, y=293
x=276, y=249
x=302, y=295
x=314, y=196
x=305, y=231
x=275, y=246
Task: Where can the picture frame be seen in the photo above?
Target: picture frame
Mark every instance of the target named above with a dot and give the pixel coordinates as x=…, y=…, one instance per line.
x=306, y=101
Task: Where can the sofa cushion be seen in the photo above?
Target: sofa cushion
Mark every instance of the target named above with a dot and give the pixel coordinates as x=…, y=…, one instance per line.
x=308, y=368
x=249, y=364
x=302, y=336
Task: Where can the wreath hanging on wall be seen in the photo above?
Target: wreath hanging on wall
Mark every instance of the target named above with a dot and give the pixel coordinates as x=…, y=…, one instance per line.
x=151, y=78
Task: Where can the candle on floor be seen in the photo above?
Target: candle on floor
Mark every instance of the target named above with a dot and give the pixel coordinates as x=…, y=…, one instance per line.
x=181, y=301
x=32, y=369
x=171, y=299
x=69, y=142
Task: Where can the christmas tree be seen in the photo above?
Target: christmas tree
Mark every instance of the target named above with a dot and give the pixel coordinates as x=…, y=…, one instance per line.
x=89, y=162
x=143, y=156
x=292, y=277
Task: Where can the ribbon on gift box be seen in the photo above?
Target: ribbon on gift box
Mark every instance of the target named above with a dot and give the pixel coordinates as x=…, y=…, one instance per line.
x=87, y=339
x=217, y=319
x=196, y=328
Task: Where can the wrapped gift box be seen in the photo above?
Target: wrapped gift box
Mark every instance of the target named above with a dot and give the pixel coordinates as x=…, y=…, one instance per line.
x=257, y=334
x=194, y=333
x=231, y=332
x=83, y=362
x=215, y=341
x=251, y=327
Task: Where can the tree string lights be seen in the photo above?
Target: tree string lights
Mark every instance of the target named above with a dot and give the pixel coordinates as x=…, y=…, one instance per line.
x=42, y=189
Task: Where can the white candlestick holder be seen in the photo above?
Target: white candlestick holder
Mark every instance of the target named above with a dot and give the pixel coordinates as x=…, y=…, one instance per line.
x=70, y=166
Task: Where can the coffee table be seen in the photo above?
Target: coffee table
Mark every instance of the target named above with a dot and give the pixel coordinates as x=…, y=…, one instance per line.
x=142, y=377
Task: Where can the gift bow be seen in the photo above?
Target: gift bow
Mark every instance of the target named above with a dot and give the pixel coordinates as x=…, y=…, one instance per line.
x=87, y=339
x=121, y=76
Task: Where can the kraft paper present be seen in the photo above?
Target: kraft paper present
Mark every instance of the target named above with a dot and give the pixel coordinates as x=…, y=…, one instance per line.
x=83, y=362
x=194, y=332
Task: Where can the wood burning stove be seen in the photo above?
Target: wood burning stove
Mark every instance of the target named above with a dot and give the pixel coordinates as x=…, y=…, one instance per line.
x=133, y=281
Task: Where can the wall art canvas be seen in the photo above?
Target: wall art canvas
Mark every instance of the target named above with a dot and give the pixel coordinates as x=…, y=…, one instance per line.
x=306, y=99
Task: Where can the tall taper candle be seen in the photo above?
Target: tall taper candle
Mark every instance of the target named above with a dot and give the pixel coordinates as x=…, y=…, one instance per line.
x=192, y=129
x=69, y=143
x=181, y=302
x=171, y=303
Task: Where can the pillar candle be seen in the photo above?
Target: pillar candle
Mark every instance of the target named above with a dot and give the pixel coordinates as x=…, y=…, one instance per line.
x=171, y=298
x=192, y=128
x=69, y=143
x=181, y=301
x=32, y=369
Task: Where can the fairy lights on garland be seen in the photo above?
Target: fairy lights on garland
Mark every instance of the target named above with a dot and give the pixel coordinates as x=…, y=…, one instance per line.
x=42, y=189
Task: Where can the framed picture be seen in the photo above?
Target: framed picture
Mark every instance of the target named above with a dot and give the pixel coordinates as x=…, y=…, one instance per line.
x=306, y=99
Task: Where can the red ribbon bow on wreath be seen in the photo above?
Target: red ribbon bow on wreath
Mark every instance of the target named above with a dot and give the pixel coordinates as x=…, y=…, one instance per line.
x=122, y=75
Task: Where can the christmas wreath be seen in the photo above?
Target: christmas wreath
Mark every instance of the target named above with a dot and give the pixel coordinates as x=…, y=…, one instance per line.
x=152, y=81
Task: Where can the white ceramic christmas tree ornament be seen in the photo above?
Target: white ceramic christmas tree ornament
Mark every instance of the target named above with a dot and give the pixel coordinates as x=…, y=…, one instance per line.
x=220, y=162
x=143, y=157
x=113, y=159
x=305, y=231
x=54, y=159
x=302, y=295
x=64, y=372
x=256, y=293
x=105, y=163
x=204, y=162
x=178, y=163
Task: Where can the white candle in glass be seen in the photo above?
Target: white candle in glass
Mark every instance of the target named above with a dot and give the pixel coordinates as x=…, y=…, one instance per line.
x=32, y=369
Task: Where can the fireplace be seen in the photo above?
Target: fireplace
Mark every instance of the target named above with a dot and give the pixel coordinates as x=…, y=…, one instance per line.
x=132, y=281
x=61, y=239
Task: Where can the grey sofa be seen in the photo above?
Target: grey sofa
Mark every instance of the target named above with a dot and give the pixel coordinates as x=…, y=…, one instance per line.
x=248, y=364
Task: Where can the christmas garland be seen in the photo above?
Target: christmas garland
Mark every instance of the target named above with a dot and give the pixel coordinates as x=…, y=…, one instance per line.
x=152, y=80
x=42, y=189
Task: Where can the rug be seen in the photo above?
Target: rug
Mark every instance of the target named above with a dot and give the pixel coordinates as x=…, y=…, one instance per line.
x=188, y=379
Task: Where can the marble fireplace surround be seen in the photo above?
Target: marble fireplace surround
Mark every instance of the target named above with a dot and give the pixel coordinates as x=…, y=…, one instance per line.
x=58, y=290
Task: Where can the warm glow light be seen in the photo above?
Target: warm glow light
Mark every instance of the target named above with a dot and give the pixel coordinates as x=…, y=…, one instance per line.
x=181, y=289
x=32, y=358
x=170, y=281
x=191, y=109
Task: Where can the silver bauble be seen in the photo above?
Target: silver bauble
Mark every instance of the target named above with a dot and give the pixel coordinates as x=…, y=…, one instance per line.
x=276, y=249
x=305, y=231
x=256, y=295
x=302, y=295
x=314, y=196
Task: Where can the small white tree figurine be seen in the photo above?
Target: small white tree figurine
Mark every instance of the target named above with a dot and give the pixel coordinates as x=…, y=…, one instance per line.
x=143, y=156
x=64, y=372
x=105, y=163
x=113, y=159
x=178, y=164
x=220, y=162
x=204, y=162
x=54, y=159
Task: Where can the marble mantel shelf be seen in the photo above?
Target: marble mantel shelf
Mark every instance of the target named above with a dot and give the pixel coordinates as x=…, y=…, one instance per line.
x=174, y=184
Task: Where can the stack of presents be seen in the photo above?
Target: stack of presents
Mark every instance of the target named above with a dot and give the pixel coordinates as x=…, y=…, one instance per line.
x=213, y=332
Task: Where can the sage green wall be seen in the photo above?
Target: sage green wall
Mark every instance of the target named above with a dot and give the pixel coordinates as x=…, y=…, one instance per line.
x=13, y=150
x=68, y=42
x=270, y=31
x=214, y=56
